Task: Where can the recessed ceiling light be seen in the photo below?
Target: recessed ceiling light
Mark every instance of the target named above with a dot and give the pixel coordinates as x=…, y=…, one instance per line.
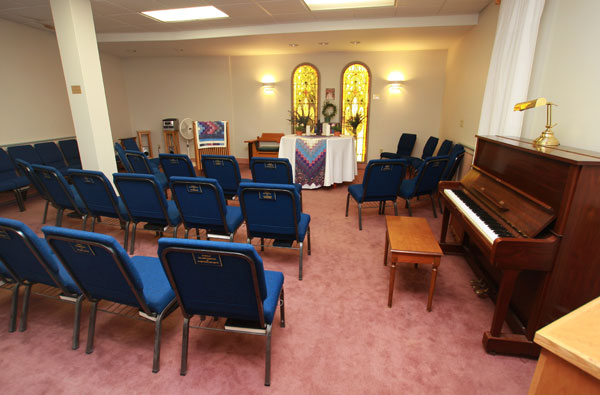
x=355, y=43
x=320, y=5
x=323, y=43
x=293, y=45
x=186, y=14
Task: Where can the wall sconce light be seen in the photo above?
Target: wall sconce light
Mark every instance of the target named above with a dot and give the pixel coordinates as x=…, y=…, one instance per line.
x=268, y=87
x=395, y=79
x=268, y=84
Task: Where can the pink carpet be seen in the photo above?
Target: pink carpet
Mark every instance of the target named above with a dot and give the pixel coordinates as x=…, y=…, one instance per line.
x=340, y=336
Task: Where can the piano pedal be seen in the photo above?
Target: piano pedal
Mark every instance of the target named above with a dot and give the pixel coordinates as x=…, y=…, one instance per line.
x=482, y=292
x=479, y=283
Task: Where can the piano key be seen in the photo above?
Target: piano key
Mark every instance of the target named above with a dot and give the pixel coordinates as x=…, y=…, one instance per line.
x=485, y=223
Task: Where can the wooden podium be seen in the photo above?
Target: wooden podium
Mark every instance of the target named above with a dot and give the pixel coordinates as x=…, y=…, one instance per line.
x=144, y=140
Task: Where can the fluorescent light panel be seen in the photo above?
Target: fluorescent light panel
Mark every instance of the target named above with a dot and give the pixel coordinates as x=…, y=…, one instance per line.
x=321, y=5
x=186, y=14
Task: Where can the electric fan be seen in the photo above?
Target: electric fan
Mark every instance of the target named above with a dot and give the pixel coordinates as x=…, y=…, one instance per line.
x=186, y=130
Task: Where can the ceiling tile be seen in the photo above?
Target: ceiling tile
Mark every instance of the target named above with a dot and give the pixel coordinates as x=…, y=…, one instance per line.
x=284, y=7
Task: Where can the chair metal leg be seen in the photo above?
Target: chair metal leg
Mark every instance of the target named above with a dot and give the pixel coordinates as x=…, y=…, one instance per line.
x=359, y=216
x=45, y=211
x=433, y=205
x=12, y=324
x=93, y=223
x=282, y=309
x=59, y=215
x=268, y=358
x=156, y=358
x=308, y=235
x=198, y=234
x=175, y=231
x=85, y=217
x=300, y=263
x=132, y=241
x=184, y=345
x=231, y=237
x=347, y=203
x=408, y=207
x=395, y=209
x=26, y=294
x=187, y=233
x=125, y=239
x=382, y=207
x=262, y=243
x=440, y=202
x=92, y=328
x=19, y=199
x=76, y=324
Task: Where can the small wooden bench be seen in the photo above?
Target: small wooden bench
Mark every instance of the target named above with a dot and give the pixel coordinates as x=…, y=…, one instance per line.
x=265, y=145
x=410, y=241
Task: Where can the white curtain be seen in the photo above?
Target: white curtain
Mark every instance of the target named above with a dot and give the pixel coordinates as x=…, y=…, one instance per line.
x=510, y=67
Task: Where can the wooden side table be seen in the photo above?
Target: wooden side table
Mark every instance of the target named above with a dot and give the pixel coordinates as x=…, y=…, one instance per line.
x=411, y=241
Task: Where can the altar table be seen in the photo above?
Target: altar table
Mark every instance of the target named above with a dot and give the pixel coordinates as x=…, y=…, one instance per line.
x=322, y=160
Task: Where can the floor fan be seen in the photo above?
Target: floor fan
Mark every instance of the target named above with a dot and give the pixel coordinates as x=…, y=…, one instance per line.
x=186, y=130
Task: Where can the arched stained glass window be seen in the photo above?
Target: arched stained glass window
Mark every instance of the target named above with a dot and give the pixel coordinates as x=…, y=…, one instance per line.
x=356, y=80
x=305, y=96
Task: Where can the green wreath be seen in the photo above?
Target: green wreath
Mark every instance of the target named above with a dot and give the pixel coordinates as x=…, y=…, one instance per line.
x=329, y=111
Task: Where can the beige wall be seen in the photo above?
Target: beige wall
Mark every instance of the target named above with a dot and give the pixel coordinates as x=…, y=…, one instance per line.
x=466, y=74
x=222, y=88
x=566, y=71
x=34, y=103
x=116, y=96
x=178, y=87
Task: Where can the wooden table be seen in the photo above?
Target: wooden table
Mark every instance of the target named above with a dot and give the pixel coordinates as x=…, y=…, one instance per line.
x=570, y=359
x=411, y=241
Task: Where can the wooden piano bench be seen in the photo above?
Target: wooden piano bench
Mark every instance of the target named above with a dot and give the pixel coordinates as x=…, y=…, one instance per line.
x=410, y=240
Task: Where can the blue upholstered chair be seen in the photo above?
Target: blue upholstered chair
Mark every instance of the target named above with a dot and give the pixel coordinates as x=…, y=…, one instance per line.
x=445, y=148
x=202, y=205
x=102, y=270
x=428, y=151
x=11, y=181
x=273, y=171
x=145, y=201
x=225, y=169
x=29, y=261
x=406, y=144
x=425, y=182
x=141, y=165
x=61, y=194
x=123, y=158
x=26, y=169
x=99, y=198
x=70, y=151
x=272, y=211
x=223, y=280
x=51, y=156
x=130, y=144
x=26, y=153
x=177, y=165
x=381, y=182
x=10, y=284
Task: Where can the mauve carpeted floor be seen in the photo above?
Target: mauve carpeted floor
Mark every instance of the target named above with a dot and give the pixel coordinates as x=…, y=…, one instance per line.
x=340, y=336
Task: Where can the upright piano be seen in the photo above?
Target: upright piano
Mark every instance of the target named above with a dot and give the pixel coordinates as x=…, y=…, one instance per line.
x=527, y=219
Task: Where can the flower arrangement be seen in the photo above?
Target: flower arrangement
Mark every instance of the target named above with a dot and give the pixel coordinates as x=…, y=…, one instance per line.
x=354, y=121
x=299, y=120
x=329, y=110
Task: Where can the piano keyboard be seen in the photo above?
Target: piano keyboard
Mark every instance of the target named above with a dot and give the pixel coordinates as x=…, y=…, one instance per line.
x=486, y=224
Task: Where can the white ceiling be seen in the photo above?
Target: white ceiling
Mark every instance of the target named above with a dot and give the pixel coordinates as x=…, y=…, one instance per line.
x=260, y=27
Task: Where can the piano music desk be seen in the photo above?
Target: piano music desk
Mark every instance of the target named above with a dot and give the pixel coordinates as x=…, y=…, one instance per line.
x=410, y=240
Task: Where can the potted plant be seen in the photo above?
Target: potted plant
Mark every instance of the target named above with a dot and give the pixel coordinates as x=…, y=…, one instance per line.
x=299, y=121
x=354, y=121
x=337, y=129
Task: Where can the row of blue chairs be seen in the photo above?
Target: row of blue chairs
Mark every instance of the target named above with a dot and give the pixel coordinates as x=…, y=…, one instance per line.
x=48, y=153
x=271, y=211
x=385, y=179
x=202, y=278
x=406, y=144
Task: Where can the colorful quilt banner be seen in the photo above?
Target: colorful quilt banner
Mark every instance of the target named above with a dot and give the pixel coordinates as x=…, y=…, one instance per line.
x=211, y=134
x=310, y=161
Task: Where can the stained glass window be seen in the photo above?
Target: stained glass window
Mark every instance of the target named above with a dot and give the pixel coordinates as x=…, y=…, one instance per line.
x=355, y=106
x=305, y=96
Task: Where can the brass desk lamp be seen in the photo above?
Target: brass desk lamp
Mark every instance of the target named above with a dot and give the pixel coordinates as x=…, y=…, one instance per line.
x=547, y=138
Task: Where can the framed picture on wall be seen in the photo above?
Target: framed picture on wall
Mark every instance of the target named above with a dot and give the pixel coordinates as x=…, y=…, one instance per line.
x=329, y=93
